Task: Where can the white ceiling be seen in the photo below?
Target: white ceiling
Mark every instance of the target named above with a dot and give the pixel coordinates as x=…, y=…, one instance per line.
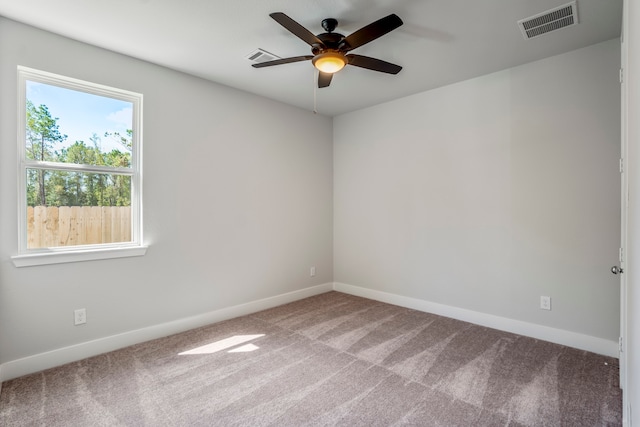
x=441, y=41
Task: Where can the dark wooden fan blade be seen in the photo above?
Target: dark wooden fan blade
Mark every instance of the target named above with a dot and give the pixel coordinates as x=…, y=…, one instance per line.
x=371, y=32
x=282, y=61
x=373, y=64
x=324, y=79
x=295, y=28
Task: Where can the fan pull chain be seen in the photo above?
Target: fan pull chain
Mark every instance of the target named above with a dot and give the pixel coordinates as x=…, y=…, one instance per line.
x=315, y=89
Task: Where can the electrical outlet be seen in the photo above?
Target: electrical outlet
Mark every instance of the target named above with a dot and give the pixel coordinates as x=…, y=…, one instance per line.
x=79, y=316
x=545, y=303
x=312, y=271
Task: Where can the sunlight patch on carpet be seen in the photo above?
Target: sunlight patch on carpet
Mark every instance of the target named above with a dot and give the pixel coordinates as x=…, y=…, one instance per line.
x=224, y=344
x=244, y=349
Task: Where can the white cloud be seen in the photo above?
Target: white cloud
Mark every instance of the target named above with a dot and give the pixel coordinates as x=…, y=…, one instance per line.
x=122, y=117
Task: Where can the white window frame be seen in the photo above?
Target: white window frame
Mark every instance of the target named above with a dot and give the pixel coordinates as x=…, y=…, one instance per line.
x=30, y=257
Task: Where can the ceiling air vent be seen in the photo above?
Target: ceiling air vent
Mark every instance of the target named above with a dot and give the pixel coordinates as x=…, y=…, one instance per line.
x=261, y=55
x=551, y=20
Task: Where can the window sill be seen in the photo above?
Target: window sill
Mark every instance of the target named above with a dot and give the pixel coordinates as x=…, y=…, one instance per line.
x=60, y=257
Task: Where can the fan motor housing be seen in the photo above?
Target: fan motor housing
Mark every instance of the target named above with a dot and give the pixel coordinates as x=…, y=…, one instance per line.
x=331, y=40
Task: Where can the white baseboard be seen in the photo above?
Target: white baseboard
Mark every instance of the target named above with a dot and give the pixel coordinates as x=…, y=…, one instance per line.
x=558, y=336
x=50, y=359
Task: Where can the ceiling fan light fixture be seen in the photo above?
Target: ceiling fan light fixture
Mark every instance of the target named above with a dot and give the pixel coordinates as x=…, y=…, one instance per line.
x=329, y=62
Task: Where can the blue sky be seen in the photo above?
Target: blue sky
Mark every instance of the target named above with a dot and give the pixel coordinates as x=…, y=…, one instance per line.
x=80, y=114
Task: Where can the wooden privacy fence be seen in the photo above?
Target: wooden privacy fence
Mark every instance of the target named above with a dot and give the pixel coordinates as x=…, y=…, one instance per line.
x=50, y=226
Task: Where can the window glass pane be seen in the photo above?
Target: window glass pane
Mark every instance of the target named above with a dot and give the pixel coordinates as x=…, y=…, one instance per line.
x=69, y=126
x=80, y=208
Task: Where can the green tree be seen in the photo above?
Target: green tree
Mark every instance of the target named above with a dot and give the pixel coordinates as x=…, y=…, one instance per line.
x=125, y=141
x=73, y=188
x=119, y=193
x=42, y=132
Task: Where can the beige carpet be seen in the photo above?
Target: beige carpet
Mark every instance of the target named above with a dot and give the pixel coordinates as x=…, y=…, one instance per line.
x=333, y=359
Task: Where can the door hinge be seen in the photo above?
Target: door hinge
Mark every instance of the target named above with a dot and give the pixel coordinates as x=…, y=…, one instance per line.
x=621, y=75
x=621, y=254
x=620, y=344
x=621, y=165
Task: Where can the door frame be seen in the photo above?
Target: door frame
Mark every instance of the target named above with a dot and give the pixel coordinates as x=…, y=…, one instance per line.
x=624, y=208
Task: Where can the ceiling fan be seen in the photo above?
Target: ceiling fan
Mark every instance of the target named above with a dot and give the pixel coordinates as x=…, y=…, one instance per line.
x=329, y=50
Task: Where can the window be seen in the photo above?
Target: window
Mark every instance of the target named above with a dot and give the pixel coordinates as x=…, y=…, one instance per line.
x=79, y=184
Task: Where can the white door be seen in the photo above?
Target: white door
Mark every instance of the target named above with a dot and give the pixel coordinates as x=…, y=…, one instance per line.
x=620, y=268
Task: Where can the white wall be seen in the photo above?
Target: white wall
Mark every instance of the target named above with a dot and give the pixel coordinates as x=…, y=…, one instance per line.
x=486, y=194
x=237, y=203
